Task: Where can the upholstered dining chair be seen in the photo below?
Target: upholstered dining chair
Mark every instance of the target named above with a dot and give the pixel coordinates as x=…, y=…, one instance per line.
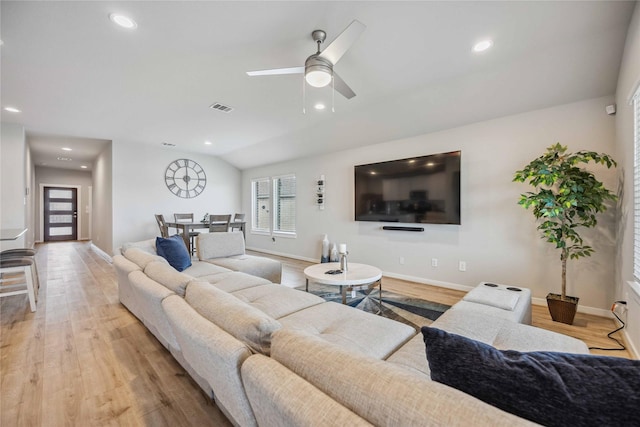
x=219, y=223
x=188, y=217
x=164, y=230
x=238, y=217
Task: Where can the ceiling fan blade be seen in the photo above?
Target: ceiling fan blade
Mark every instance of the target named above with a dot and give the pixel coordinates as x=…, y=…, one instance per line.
x=277, y=71
x=343, y=42
x=342, y=87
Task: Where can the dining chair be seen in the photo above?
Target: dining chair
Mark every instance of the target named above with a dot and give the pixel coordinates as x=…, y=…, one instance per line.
x=238, y=217
x=164, y=230
x=219, y=223
x=188, y=217
x=16, y=278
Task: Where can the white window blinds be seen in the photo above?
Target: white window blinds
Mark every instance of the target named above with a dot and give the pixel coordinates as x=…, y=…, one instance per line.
x=284, y=190
x=636, y=186
x=273, y=205
x=261, y=205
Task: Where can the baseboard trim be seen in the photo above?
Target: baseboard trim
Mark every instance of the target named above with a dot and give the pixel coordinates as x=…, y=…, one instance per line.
x=632, y=348
x=101, y=253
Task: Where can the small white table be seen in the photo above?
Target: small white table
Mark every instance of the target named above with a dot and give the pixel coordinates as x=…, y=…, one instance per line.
x=358, y=276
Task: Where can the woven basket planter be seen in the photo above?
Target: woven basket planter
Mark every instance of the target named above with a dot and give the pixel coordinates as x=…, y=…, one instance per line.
x=561, y=310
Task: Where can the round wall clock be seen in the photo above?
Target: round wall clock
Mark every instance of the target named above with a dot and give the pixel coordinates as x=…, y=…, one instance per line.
x=185, y=178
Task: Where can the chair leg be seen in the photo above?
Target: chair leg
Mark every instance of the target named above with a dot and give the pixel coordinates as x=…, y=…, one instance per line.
x=30, y=288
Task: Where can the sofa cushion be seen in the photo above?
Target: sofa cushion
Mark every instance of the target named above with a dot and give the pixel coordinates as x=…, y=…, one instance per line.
x=382, y=393
x=174, y=251
x=142, y=258
x=350, y=328
x=505, y=334
x=276, y=300
x=204, y=269
x=219, y=245
x=550, y=388
x=246, y=323
x=234, y=281
x=266, y=268
x=168, y=277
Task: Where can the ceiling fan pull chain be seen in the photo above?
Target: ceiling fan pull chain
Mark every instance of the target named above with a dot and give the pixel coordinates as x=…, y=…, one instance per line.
x=304, y=95
x=333, y=94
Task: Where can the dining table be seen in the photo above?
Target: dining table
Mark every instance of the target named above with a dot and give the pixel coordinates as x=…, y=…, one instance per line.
x=187, y=226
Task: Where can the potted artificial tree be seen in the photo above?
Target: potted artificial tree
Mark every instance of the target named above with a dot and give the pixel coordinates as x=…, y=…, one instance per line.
x=566, y=198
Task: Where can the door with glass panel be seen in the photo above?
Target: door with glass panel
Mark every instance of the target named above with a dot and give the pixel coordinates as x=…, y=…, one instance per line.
x=60, y=214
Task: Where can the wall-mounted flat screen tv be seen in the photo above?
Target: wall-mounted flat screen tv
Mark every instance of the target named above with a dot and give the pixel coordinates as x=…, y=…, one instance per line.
x=418, y=190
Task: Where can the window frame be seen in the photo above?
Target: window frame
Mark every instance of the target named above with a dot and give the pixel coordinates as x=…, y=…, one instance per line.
x=272, y=185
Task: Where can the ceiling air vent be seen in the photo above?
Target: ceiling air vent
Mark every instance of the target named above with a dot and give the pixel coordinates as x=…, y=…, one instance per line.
x=221, y=107
x=168, y=144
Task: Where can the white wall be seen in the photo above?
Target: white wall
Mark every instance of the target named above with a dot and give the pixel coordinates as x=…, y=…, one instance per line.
x=497, y=238
x=102, y=214
x=139, y=189
x=628, y=82
x=55, y=176
x=12, y=181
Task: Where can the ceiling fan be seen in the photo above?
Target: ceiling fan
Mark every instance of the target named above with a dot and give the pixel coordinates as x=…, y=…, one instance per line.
x=318, y=68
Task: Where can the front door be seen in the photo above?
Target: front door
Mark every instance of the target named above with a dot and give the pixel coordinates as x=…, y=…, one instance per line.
x=60, y=214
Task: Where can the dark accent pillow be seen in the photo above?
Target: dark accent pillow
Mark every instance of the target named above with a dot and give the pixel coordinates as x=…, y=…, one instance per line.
x=174, y=251
x=549, y=388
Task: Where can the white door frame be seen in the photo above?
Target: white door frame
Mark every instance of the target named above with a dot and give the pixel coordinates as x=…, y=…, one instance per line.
x=79, y=206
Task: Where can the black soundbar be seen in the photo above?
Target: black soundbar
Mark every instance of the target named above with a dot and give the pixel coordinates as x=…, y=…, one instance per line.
x=396, y=228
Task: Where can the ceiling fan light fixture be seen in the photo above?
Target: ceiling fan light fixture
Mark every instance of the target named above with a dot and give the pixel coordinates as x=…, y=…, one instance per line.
x=318, y=75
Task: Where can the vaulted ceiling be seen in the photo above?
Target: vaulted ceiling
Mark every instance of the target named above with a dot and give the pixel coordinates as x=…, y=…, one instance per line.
x=73, y=73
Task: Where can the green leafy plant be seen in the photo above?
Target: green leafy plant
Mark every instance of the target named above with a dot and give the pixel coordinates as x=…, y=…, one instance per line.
x=566, y=197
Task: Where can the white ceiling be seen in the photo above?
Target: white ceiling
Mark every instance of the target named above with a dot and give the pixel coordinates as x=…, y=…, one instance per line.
x=73, y=73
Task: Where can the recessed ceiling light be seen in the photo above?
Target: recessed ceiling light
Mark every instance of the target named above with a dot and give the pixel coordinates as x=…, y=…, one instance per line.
x=123, y=21
x=67, y=149
x=83, y=167
x=319, y=106
x=12, y=110
x=482, y=46
x=208, y=143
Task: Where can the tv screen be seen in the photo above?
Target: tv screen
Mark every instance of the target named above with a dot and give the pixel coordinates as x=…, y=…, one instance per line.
x=418, y=190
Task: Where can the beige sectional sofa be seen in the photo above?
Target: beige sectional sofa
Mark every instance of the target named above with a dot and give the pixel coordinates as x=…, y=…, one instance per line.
x=274, y=356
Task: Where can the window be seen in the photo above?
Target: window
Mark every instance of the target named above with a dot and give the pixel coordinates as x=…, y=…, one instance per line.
x=636, y=187
x=275, y=195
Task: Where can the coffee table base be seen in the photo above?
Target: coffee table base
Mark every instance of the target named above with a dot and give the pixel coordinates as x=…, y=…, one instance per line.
x=347, y=288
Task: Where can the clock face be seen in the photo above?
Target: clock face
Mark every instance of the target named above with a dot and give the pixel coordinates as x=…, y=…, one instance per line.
x=185, y=178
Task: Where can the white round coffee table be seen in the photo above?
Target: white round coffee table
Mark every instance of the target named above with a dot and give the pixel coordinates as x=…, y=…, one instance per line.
x=358, y=276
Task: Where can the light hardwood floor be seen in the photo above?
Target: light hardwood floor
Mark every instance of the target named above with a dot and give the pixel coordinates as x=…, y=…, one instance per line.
x=83, y=360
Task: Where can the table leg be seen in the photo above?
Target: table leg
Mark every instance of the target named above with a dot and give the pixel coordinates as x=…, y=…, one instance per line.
x=306, y=288
x=380, y=297
x=343, y=291
x=185, y=237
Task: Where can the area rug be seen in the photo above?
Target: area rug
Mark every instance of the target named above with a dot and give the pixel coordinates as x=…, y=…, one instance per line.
x=414, y=312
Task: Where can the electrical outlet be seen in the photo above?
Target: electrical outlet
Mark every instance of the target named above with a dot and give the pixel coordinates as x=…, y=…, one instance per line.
x=462, y=266
x=401, y=260
x=434, y=262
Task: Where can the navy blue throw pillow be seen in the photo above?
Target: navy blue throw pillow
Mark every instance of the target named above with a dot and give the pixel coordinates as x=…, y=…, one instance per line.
x=174, y=251
x=549, y=388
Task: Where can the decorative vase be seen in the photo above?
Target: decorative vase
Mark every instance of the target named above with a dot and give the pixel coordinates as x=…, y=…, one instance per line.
x=562, y=311
x=325, y=249
x=334, y=253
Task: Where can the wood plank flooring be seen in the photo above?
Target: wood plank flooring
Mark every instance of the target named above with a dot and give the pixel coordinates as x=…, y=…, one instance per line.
x=83, y=360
